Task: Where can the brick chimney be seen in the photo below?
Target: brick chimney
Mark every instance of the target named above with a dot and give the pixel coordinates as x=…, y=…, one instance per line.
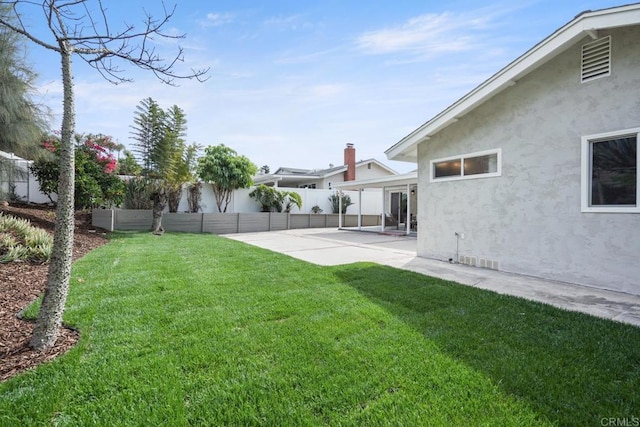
x=350, y=163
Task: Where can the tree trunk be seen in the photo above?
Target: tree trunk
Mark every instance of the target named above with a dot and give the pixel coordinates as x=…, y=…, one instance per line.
x=159, y=202
x=217, y=191
x=195, y=194
x=49, y=319
x=174, y=194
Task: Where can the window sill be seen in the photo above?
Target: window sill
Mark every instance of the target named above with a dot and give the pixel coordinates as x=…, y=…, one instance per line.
x=460, y=178
x=611, y=209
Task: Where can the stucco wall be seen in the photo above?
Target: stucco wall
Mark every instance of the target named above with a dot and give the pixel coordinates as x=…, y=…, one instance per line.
x=529, y=220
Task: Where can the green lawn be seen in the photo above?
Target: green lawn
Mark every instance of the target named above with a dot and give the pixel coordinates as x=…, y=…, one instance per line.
x=200, y=330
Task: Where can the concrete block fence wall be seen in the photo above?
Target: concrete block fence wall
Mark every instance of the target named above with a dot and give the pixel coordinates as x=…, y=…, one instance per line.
x=223, y=223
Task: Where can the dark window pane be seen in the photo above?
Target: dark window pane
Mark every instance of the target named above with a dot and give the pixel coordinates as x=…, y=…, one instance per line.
x=614, y=172
x=481, y=164
x=450, y=168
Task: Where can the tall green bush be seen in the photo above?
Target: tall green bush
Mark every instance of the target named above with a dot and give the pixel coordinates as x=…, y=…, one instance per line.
x=225, y=170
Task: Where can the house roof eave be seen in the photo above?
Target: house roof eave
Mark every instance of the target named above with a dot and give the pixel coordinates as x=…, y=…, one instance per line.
x=382, y=165
x=330, y=172
x=386, y=181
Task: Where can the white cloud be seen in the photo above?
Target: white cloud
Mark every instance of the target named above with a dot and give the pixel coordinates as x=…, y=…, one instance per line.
x=324, y=91
x=213, y=19
x=306, y=58
x=426, y=35
x=291, y=22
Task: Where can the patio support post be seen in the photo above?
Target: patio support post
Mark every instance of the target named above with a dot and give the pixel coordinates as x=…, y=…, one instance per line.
x=384, y=219
x=359, y=208
x=408, y=217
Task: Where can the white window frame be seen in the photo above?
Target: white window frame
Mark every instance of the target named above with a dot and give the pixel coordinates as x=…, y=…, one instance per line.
x=462, y=157
x=585, y=179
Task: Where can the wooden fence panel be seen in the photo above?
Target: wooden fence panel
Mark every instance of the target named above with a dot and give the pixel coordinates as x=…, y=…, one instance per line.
x=278, y=221
x=182, y=222
x=103, y=218
x=253, y=222
x=370, y=220
x=299, y=221
x=317, y=221
x=219, y=223
x=133, y=219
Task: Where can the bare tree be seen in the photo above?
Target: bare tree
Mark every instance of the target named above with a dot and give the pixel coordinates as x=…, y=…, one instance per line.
x=77, y=29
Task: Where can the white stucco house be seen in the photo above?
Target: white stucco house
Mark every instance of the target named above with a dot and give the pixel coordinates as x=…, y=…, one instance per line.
x=325, y=179
x=535, y=170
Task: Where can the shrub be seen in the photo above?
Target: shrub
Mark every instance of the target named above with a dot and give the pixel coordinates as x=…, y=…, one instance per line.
x=290, y=199
x=273, y=200
x=95, y=181
x=20, y=241
x=268, y=197
x=137, y=194
x=335, y=202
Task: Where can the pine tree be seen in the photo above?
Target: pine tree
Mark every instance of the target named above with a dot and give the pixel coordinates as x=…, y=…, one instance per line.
x=148, y=133
x=22, y=122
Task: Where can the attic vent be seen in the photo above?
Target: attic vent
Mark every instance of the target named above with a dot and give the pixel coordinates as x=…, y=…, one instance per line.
x=596, y=59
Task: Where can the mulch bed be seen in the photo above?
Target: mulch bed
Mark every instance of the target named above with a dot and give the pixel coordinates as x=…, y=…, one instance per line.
x=21, y=283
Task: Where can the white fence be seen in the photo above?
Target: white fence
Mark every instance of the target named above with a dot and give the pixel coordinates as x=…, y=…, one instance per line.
x=24, y=185
x=241, y=202
x=17, y=180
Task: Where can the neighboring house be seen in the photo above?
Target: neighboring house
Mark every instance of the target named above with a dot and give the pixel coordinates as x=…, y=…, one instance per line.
x=535, y=170
x=324, y=178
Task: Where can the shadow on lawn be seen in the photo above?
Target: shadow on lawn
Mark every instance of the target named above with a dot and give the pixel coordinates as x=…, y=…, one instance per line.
x=572, y=368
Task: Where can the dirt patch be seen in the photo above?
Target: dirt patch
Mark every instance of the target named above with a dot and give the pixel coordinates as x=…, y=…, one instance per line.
x=21, y=283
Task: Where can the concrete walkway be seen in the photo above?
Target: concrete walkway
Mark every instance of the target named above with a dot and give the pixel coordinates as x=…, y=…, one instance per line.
x=333, y=247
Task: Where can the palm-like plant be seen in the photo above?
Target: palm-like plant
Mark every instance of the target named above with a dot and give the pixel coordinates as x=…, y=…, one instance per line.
x=335, y=202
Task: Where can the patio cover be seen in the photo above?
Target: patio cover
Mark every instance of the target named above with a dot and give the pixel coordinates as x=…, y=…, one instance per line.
x=388, y=182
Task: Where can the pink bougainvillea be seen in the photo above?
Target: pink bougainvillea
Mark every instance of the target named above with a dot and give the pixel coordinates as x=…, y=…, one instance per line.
x=96, y=182
x=97, y=146
x=49, y=145
x=101, y=146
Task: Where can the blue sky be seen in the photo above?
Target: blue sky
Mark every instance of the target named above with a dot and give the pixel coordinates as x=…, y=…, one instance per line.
x=292, y=82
